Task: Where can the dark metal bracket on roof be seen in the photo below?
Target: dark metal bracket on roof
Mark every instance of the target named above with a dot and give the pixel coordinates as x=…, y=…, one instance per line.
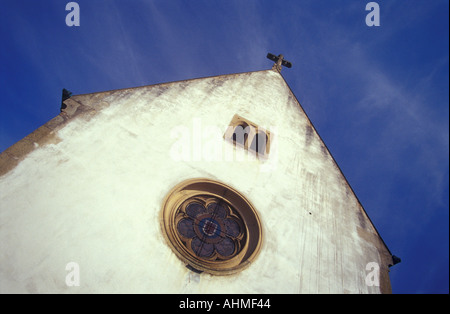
x=395, y=260
x=65, y=95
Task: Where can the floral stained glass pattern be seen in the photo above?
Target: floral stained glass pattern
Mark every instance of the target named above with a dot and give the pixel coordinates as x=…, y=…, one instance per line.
x=210, y=228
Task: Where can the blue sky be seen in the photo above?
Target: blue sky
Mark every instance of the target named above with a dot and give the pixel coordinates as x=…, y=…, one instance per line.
x=378, y=96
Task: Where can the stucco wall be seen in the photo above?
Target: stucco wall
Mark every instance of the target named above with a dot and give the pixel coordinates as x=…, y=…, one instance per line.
x=93, y=193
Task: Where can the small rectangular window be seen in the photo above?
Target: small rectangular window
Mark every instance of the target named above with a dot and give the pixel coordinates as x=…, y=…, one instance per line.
x=246, y=134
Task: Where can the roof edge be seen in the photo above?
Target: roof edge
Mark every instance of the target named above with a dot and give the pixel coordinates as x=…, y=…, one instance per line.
x=73, y=107
x=391, y=261
x=174, y=82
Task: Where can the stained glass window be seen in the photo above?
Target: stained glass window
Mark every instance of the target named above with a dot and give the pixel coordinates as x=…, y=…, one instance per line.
x=211, y=227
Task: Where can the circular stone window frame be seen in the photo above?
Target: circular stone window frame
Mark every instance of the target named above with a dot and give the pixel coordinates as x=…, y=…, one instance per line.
x=190, y=189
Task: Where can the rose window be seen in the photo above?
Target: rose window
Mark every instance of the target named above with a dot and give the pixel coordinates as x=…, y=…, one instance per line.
x=211, y=227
